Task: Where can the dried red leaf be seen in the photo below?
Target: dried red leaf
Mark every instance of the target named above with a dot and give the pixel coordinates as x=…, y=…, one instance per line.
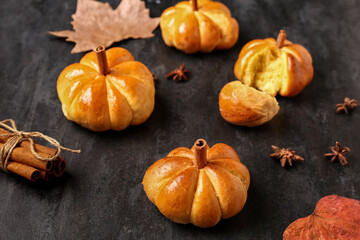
x=334, y=217
x=96, y=24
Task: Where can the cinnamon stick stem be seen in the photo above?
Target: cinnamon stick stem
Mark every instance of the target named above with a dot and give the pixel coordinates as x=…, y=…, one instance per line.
x=281, y=39
x=102, y=60
x=200, y=153
x=194, y=5
x=25, y=171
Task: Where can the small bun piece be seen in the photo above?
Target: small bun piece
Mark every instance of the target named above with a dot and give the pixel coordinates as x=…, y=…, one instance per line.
x=245, y=106
x=275, y=66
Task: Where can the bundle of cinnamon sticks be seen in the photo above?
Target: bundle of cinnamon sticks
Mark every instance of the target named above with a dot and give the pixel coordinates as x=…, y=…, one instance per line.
x=23, y=162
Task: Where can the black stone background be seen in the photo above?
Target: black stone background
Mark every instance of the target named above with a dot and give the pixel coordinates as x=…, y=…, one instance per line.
x=101, y=196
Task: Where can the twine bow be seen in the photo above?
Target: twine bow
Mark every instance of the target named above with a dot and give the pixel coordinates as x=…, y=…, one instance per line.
x=15, y=137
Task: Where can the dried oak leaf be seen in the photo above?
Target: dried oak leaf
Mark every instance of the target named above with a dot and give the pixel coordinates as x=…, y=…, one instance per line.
x=96, y=24
x=334, y=217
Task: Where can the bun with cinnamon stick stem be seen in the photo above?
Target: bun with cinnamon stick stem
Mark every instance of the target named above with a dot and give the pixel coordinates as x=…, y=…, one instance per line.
x=200, y=185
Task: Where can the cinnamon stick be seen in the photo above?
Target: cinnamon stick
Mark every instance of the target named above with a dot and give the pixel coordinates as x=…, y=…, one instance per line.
x=25, y=171
x=24, y=156
x=200, y=153
x=59, y=167
x=194, y=5
x=26, y=144
x=102, y=60
x=27, y=159
x=46, y=176
x=281, y=39
x=24, y=163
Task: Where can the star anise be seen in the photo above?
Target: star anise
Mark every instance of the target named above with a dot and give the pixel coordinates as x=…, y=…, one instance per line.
x=338, y=152
x=347, y=105
x=285, y=155
x=179, y=74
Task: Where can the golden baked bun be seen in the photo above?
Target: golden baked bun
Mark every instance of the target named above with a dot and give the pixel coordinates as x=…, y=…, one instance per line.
x=275, y=66
x=118, y=93
x=204, y=25
x=245, y=106
x=198, y=186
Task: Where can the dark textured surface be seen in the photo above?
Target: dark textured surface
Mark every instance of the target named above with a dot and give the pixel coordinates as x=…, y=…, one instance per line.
x=101, y=196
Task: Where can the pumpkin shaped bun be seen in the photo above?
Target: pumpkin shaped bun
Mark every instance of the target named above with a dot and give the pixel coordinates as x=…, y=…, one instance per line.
x=198, y=186
x=275, y=66
x=246, y=106
x=199, y=25
x=107, y=90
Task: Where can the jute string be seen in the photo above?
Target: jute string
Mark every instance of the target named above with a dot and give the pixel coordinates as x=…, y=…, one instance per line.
x=15, y=137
